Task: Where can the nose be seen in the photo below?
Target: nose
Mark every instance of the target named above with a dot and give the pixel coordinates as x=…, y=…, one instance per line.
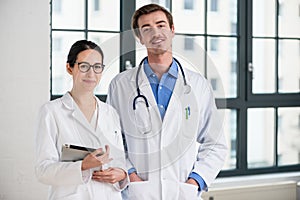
x=155, y=31
x=90, y=71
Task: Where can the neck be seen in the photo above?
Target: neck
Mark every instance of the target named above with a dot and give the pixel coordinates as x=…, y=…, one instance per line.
x=83, y=99
x=160, y=64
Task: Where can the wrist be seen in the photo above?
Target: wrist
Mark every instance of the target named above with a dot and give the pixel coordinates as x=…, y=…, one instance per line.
x=193, y=182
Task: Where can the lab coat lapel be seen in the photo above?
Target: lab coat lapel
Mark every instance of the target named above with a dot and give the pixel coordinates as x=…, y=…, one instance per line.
x=76, y=113
x=174, y=103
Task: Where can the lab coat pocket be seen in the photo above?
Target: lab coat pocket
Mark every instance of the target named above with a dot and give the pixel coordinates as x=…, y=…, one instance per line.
x=188, y=192
x=140, y=190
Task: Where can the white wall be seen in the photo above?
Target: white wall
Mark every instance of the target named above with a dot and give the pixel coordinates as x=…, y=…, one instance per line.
x=24, y=86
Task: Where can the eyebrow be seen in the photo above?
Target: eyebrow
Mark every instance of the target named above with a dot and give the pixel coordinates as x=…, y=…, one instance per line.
x=158, y=22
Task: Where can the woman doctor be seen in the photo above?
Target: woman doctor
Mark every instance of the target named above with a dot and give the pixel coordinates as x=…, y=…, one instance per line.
x=166, y=112
x=79, y=118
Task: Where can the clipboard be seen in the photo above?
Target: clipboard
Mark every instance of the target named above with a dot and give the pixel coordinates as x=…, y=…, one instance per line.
x=74, y=153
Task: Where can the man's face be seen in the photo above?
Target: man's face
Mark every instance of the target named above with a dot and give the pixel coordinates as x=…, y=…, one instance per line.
x=155, y=32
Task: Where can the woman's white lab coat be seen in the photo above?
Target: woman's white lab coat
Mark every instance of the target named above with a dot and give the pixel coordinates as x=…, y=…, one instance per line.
x=61, y=122
x=166, y=155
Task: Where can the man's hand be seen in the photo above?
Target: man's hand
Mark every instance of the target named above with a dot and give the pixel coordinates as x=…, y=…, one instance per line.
x=192, y=181
x=134, y=177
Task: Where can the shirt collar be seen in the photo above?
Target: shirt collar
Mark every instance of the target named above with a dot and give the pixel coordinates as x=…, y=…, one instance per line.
x=173, y=70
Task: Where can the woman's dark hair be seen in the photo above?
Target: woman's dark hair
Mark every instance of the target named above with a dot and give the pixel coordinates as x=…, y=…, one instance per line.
x=147, y=9
x=80, y=46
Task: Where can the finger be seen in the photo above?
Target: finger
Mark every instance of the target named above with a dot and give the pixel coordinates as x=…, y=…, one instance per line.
x=107, y=148
x=97, y=152
x=110, y=178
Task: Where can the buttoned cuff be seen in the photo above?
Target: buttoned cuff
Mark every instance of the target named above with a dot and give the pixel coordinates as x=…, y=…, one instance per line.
x=131, y=170
x=199, y=180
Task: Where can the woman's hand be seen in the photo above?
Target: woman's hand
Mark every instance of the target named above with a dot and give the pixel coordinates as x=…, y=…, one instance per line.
x=96, y=159
x=111, y=175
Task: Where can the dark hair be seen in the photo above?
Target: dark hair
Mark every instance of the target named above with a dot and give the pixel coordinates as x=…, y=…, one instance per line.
x=147, y=9
x=80, y=46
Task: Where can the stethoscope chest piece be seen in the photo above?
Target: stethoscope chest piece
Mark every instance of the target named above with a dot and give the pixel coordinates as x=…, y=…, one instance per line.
x=187, y=89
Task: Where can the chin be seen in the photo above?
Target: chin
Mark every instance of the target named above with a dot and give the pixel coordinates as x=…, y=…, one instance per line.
x=157, y=51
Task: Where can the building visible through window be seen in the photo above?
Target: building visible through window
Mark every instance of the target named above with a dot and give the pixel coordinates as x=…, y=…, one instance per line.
x=214, y=5
x=189, y=43
x=96, y=5
x=189, y=4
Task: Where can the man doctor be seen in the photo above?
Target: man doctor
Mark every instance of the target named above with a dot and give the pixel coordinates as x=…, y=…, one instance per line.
x=174, y=138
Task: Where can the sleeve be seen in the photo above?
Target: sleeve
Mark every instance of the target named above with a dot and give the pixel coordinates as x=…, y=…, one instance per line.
x=213, y=148
x=48, y=169
x=199, y=180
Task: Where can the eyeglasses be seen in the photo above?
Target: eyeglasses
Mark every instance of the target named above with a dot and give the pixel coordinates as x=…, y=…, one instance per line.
x=85, y=67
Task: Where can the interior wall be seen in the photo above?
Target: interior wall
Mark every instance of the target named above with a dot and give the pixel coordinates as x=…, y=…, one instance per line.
x=24, y=87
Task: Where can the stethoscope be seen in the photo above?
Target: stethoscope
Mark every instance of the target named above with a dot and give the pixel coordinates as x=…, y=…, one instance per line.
x=139, y=95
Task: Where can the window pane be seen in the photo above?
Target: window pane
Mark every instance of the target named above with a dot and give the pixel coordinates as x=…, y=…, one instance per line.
x=289, y=66
x=70, y=16
x=223, y=18
x=263, y=52
x=288, y=136
x=110, y=44
x=62, y=42
x=221, y=65
x=182, y=16
x=101, y=16
x=193, y=57
x=230, y=125
x=260, y=137
x=289, y=23
x=264, y=16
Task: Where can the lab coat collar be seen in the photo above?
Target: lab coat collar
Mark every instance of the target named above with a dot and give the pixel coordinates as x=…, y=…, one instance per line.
x=69, y=103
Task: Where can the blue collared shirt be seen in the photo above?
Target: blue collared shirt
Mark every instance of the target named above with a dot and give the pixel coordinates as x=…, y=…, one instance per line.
x=163, y=88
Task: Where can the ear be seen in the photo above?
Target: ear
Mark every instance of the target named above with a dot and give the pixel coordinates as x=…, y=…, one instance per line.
x=173, y=30
x=69, y=68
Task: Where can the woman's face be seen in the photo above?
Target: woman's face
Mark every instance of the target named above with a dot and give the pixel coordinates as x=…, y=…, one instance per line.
x=85, y=81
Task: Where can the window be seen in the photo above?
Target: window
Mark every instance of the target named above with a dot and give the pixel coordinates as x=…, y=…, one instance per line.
x=248, y=50
x=81, y=22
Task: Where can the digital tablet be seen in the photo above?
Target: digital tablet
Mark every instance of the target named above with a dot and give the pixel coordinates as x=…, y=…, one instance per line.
x=74, y=153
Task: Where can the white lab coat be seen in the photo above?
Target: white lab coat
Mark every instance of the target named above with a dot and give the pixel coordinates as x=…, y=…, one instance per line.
x=166, y=156
x=61, y=122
